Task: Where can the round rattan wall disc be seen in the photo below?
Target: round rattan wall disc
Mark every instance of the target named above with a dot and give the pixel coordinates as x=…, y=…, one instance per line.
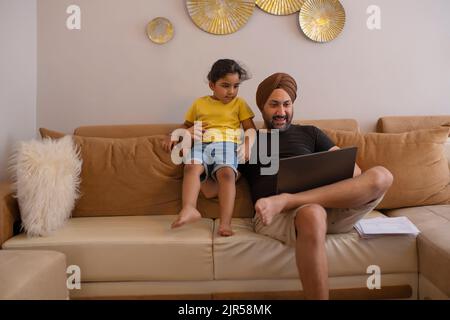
x=160, y=30
x=322, y=20
x=220, y=16
x=280, y=7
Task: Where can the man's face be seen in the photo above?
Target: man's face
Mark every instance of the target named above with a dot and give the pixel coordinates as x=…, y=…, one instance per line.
x=278, y=110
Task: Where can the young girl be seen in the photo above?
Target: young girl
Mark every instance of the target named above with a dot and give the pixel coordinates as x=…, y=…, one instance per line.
x=215, y=156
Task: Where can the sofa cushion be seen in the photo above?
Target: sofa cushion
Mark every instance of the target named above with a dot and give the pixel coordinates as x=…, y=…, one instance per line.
x=130, y=248
x=132, y=176
x=397, y=124
x=46, y=177
x=248, y=255
x=416, y=160
x=135, y=176
x=433, y=242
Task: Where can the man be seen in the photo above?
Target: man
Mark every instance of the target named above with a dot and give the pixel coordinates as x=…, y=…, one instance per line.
x=303, y=219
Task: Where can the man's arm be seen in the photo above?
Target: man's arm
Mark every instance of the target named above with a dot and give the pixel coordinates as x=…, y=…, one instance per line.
x=250, y=136
x=357, y=170
x=248, y=124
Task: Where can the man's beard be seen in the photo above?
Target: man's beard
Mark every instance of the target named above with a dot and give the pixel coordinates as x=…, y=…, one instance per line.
x=285, y=127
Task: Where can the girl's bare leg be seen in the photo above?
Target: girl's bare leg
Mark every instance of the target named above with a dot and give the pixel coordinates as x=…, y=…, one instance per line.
x=226, y=179
x=191, y=188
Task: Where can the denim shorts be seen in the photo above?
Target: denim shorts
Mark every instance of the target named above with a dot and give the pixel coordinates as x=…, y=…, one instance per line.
x=213, y=156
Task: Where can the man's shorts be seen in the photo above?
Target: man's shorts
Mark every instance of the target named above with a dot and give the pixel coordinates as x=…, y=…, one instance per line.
x=283, y=229
x=214, y=156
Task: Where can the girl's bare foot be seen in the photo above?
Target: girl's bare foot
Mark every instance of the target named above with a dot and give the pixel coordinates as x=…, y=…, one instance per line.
x=225, y=231
x=186, y=215
x=267, y=208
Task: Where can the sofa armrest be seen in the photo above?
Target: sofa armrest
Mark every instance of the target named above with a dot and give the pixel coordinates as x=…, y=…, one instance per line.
x=9, y=212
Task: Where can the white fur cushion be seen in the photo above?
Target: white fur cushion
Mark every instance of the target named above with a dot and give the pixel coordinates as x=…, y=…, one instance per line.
x=46, y=178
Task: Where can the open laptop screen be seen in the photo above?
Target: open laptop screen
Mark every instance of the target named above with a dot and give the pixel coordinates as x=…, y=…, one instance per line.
x=301, y=173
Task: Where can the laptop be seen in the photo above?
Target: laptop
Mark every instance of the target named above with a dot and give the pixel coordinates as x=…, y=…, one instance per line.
x=301, y=173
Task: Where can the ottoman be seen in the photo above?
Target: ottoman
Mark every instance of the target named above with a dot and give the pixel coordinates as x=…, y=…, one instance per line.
x=32, y=275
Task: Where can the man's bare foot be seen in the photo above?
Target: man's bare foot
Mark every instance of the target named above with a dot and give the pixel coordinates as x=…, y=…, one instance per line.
x=186, y=215
x=225, y=231
x=269, y=207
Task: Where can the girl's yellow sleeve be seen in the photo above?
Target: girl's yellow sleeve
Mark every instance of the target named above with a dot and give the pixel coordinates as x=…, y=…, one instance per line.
x=245, y=112
x=191, y=114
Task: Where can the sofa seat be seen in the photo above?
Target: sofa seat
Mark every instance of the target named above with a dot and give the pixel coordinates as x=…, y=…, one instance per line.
x=130, y=248
x=248, y=255
x=433, y=242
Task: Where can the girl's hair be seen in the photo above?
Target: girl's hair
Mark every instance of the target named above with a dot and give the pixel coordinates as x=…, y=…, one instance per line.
x=223, y=67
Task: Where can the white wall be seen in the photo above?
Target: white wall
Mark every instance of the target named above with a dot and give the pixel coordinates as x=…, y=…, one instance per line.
x=17, y=76
x=110, y=72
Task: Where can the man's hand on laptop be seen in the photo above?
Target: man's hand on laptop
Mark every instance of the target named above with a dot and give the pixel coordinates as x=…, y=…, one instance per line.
x=357, y=170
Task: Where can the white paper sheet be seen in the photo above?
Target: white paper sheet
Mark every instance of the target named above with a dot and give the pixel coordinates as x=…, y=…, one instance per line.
x=386, y=226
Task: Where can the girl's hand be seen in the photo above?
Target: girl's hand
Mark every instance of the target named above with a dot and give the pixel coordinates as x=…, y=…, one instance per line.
x=243, y=153
x=167, y=143
x=197, y=133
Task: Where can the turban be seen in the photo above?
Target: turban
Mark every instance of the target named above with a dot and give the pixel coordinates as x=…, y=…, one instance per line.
x=275, y=81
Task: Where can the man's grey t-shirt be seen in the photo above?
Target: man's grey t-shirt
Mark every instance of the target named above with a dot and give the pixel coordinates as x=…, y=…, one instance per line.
x=297, y=140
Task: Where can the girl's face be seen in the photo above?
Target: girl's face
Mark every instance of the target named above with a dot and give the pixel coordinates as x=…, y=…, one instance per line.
x=226, y=89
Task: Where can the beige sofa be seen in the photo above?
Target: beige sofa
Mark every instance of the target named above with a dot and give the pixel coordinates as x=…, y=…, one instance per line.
x=138, y=256
x=433, y=244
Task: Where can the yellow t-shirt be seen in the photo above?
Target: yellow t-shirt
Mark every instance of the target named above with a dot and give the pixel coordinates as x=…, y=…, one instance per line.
x=223, y=120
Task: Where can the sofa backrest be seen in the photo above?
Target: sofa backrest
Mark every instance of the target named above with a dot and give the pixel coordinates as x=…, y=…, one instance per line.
x=142, y=130
x=398, y=124
x=95, y=180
